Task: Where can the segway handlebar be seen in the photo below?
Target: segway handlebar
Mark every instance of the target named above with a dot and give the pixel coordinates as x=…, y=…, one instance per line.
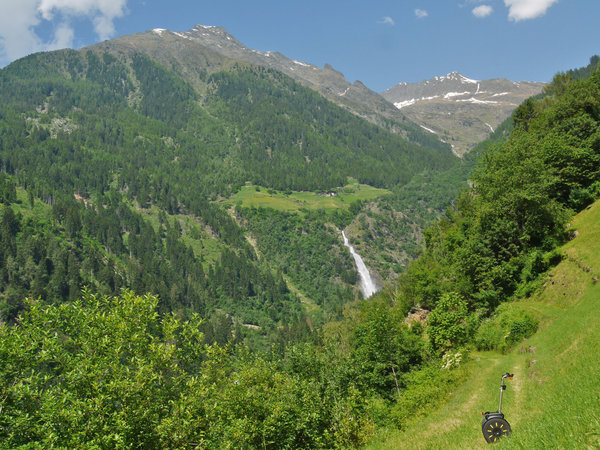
x=508, y=375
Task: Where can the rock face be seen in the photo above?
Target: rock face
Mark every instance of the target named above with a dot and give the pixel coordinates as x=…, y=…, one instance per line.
x=460, y=110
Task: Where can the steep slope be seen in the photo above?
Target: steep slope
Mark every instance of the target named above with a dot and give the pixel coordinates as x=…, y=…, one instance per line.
x=460, y=110
x=209, y=48
x=553, y=401
x=532, y=182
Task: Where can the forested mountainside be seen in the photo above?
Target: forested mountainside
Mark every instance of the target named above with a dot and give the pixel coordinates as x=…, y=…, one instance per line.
x=119, y=173
x=212, y=48
x=111, y=371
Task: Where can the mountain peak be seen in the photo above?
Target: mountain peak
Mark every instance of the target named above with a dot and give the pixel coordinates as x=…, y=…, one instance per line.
x=219, y=31
x=205, y=27
x=209, y=47
x=209, y=34
x=455, y=76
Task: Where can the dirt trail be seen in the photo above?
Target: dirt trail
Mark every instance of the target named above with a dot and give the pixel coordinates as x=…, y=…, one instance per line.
x=516, y=395
x=460, y=416
x=464, y=412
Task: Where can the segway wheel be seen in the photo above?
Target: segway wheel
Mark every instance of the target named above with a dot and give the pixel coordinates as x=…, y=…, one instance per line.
x=495, y=429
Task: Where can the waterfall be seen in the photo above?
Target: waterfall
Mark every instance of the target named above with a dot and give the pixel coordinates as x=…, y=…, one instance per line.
x=366, y=284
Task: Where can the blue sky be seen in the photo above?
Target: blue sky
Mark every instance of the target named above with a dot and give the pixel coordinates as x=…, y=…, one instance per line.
x=378, y=42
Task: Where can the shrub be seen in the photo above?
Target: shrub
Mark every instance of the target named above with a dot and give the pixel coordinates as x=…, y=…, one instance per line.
x=449, y=324
x=508, y=326
x=490, y=335
x=521, y=328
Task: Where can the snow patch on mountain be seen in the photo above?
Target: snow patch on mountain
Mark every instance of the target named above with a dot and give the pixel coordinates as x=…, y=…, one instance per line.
x=412, y=101
x=475, y=100
x=455, y=94
x=455, y=76
x=405, y=103
x=182, y=35
x=428, y=129
x=468, y=80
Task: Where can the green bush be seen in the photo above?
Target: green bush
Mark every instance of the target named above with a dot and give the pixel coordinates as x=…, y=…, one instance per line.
x=489, y=335
x=553, y=257
x=579, y=198
x=449, y=323
x=521, y=328
x=425, y=387
x=110, y=372
x=508, y=326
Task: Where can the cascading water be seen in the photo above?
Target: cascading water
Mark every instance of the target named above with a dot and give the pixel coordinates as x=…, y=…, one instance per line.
x=366, y=284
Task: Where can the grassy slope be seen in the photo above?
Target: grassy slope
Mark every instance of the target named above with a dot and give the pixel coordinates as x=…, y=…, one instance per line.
x=249, y=196
x=554, y=399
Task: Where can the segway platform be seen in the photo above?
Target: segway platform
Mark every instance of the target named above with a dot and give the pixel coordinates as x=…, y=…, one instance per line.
x=493, y=425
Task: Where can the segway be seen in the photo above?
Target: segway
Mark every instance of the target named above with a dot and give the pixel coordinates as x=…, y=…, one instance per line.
x=493, y=425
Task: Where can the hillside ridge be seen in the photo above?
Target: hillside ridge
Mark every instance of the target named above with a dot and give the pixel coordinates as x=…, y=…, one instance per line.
x=561, y=355
x=213, y=48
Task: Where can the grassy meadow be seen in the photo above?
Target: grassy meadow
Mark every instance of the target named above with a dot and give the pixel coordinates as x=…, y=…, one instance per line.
x=259, y=197
x=554, y=399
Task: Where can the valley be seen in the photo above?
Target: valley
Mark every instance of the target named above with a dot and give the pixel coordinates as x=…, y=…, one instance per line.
x=205, y=245
x=198, y=146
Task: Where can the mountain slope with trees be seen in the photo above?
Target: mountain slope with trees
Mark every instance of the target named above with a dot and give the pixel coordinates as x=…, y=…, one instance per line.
x=212, y=48
x=116, y=168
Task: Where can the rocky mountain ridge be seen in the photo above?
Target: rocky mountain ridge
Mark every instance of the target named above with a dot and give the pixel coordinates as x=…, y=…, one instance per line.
x=213, y=48
x=460, y=110
x=454, y=109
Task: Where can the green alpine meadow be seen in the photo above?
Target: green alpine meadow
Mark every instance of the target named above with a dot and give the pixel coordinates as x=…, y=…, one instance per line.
x=201, y=247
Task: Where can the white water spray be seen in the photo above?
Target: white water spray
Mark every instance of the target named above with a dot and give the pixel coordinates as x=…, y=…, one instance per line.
x=366, y=284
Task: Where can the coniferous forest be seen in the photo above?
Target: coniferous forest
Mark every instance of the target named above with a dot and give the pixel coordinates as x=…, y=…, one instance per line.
x=122, y=164
x=140, y=307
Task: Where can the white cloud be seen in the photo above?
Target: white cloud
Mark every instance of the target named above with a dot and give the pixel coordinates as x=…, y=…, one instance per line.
x=16, y=23
x=63, y=37
x=527, y=9
x=101, y=12
x=482, y=11
x=421, y=13
x=20, y=18
x=387, y=21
